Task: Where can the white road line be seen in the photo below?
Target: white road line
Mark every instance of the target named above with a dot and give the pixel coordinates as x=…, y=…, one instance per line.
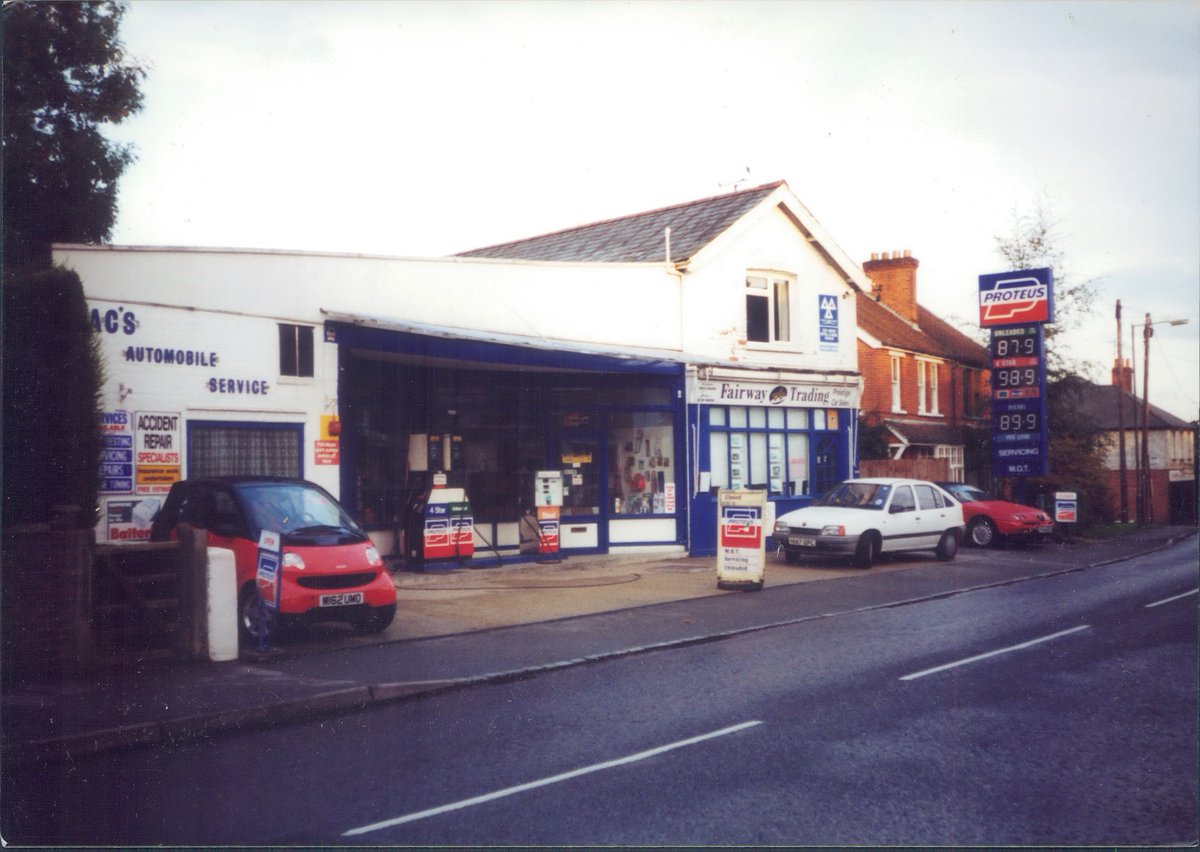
x=554, y=779
x=995, y=653
x=1168, y=600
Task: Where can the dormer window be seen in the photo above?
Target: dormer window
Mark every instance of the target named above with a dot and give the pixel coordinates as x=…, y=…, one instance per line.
x=768, y=317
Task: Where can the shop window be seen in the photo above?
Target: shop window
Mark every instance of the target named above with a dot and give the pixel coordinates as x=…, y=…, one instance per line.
x=768, y=309
x=755, y=447
x=295, y=350
x=641, y=460
x=232, y=449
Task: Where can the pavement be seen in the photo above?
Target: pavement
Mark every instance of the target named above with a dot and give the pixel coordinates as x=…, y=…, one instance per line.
x=468, y=626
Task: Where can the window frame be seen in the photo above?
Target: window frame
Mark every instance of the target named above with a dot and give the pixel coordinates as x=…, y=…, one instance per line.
x=298, y=334
x=897, y=377
x=777, y=293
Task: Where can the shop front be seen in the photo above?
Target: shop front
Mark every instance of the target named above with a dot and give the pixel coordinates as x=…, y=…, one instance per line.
x=422, y=406
x=792, y=435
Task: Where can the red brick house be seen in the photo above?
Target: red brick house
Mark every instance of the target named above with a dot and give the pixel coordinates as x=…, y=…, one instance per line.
x=925, y=382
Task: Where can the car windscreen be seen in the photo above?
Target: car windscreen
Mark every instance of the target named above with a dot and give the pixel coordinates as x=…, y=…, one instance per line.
x=857, y=495
x=299, y=512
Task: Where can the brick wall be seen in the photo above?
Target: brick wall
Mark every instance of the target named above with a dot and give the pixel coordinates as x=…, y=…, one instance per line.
x=895, y=277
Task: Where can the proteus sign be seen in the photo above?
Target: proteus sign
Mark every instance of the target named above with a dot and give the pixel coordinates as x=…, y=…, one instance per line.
x=1016, y=305
x=1013, y=298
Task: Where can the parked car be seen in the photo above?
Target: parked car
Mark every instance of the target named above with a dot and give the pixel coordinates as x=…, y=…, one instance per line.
x=862, y=518
x=988, y=519
x=329, y=568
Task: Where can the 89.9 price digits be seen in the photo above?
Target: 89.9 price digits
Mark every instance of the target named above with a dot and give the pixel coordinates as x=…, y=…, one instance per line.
x=1017, y=422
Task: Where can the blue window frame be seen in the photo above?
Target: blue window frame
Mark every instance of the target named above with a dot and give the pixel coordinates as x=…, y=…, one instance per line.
x=784, y=451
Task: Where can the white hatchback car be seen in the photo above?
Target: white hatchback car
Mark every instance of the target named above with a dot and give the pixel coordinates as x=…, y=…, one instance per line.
x=862, y=518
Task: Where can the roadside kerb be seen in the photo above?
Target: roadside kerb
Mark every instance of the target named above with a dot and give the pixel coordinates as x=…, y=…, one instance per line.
x=364, y=696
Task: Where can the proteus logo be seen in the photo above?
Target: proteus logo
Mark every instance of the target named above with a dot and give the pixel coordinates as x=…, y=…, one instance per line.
x=1009, y=298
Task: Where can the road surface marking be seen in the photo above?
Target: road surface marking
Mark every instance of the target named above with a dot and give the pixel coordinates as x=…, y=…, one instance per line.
x=995, y=653
x=1168, y=600
x=554, y=779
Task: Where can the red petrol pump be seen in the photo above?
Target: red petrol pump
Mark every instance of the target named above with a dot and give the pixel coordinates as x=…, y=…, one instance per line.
x=548, y=497
x=440, y=525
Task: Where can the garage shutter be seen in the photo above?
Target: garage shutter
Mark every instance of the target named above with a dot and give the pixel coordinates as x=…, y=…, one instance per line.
x=237, y=449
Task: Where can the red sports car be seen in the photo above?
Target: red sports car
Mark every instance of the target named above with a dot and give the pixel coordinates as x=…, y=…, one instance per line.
x=988, y=518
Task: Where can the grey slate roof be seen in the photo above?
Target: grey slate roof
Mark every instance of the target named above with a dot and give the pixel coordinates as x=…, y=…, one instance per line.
x=1099, y=403
x=637, y=238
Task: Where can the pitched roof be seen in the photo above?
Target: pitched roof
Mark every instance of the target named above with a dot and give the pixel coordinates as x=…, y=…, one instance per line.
x=1099, y=404
x=913, y=432
x=637, y=238
x=932, y=336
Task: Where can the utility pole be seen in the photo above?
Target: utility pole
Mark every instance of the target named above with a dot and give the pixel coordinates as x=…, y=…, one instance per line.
x=1120, y=376
x=1147, y=333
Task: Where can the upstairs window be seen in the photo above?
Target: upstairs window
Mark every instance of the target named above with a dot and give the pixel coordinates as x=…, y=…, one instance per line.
x=295, y=350
x=896, y=400
x=927, y=388
x=768, y=309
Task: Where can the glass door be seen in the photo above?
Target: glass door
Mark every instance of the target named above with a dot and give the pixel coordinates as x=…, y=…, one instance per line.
x=579, y=455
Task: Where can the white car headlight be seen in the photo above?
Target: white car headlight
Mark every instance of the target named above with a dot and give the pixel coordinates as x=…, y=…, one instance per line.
x=833, y=529
x=373, y=556
x=293, y=560
x=781, y=526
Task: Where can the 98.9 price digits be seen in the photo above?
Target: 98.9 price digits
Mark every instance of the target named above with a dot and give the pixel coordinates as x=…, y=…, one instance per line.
x=1016, y=377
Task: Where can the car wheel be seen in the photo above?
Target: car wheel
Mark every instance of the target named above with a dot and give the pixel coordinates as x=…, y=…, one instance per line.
x=253, y=615
x=947, y=548
x=375, y=619
x=982, y=532
x=867, y=550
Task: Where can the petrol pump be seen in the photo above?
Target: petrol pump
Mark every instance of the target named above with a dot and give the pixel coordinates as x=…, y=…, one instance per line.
x=440, y=525
x=548, y=497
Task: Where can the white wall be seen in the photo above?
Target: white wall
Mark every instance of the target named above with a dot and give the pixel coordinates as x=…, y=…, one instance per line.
x=715, y=297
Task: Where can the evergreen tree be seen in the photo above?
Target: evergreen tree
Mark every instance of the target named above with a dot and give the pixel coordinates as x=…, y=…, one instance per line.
x=65, y=75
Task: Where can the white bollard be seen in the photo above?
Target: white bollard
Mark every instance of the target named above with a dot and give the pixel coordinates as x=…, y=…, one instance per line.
x=221, y=583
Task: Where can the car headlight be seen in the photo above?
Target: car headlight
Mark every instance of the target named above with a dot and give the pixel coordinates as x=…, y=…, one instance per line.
x=781, y=526
x=373, y=555
x=293, y=560
x=833, y=529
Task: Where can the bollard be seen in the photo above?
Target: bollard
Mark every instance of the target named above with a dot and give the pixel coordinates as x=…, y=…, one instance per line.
x=222, y=605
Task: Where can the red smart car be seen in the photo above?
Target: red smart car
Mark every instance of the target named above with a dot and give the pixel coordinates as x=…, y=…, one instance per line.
x=330, y=570
x=988, y=518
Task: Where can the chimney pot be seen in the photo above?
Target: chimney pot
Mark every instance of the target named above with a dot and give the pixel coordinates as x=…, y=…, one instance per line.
x=907, y=253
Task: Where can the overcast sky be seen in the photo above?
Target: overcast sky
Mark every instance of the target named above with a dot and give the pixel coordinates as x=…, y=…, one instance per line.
x=423, y=129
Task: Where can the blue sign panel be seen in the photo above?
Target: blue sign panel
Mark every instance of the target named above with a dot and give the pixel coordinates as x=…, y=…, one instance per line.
x=116, y=464
x=1019, y=446
x=827, y=322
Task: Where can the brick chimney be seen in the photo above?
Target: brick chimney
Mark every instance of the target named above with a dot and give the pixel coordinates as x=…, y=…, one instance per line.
x=1122, y=376
x=895, y=278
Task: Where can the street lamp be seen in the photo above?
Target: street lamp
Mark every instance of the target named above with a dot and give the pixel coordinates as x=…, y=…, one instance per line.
x=1145, y=513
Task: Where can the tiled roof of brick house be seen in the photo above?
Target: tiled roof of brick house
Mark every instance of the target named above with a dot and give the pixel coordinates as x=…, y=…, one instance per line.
x=637, y=238
x=933, y=335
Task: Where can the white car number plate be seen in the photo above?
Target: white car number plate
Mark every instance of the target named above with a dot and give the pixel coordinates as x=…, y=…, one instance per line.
x=1048, y=528
x=802, y=541
x=344, y=599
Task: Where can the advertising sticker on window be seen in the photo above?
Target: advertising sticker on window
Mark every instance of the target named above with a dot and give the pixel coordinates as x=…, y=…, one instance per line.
x=157, y=446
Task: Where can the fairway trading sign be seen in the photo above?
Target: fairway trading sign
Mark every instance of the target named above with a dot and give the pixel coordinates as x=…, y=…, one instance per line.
x=1015, y=306
x=1013, y=298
